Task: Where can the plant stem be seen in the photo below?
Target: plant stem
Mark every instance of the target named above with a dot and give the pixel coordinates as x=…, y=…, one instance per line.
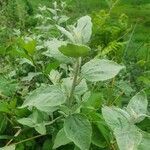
x=34, y=137
x=49, y=123
x=29, y=139
x=77, y=67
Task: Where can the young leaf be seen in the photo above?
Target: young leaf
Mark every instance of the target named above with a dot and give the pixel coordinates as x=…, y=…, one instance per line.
x=128, y=138
x=100, y=70
x=78, y=129
x=83, y=31
x=40, y=128
x=67, y=33
x=45, y=98
x=61, y=139
x=73, y=50
x=137, y=106
x=115, y=117
x=29, y=45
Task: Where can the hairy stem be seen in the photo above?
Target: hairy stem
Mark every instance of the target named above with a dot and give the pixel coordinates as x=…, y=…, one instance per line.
x=76, y=71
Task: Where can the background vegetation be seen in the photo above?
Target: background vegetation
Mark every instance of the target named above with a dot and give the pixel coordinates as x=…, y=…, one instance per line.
x=30, y=30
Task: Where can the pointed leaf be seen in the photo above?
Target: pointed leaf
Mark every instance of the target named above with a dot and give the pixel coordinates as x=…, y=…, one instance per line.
x=100, y=70
x=45, y=98
x=83, y=31
x=115, y=117
x=128, y=139
x=78, y=129
x=67, y=33
x=137, y=106
x=40, y=128
x=61, y=139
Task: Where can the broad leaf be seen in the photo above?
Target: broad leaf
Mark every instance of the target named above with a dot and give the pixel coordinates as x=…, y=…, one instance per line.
x=115, y=117
x=54, y=52
x=73, y=50
x=100, y=70
x=137, y=106
x=61, y=139
x=36, y=120
x=78, y=129
x=45, y=98
x=128, y=138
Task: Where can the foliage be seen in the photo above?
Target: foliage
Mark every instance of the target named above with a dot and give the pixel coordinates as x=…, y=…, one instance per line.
x=66, y=85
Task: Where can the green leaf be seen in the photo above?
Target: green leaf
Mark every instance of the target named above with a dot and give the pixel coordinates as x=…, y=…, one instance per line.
x=27, y=121
x=137, y=107
x=11, y=147
x=80, y=34
x=29, y=46
x=41, y=128
x=7, y=86
x=128, y=138
x=36, y=120
x=83, y=30
x=54, y=52
x=5, y=137
x=67, y=33
x=97, y=138
x=4, y=107
x=54, y=65
x=78, y=129
x=3, y=123
x=115, y=117
x=45, y=98
x=73, y=50
x=144, y=145
x=61, y=139
x=100, y=70
x=80, y=89
x=95, y=100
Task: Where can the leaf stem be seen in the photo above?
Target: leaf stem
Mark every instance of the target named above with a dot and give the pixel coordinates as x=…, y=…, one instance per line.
x=29, y=139
x=49, y=123
x=76, y=71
